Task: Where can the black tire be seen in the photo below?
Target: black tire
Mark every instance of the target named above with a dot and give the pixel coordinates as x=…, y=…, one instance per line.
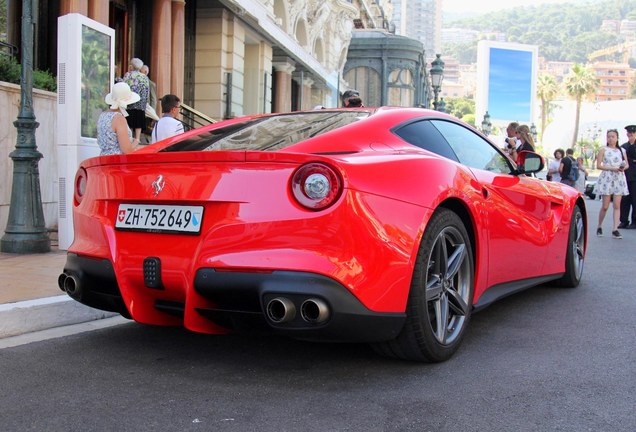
x=575, y=255
x=440, y=299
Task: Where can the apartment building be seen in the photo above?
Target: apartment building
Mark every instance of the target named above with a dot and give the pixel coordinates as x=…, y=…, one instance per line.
x=615, y=80
x=421, y=20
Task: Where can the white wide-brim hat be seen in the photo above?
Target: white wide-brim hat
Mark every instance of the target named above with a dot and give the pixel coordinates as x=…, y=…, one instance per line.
x=121, y=96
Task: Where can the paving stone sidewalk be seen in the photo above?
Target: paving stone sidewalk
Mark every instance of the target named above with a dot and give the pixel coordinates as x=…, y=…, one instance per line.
x=30, y=299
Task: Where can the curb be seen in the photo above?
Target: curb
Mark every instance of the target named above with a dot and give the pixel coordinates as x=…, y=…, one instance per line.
x=45, y=313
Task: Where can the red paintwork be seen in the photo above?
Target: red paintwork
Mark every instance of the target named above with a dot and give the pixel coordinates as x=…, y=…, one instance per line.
x=367, y=241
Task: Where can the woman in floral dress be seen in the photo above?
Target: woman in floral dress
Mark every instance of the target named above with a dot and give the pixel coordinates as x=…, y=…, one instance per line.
x=113, y=134
x=611, y=183
x=139, y=84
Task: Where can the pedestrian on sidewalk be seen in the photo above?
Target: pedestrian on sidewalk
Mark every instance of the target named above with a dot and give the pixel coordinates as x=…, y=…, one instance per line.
x=511, y=141
x=611, y=183
x=527, y=143
x=553, y=166
x=138, y=82
x=168, y=125
x=113, y=134
x=580, y=182
x=629, y=202
x=351, y=99
x=569, y=169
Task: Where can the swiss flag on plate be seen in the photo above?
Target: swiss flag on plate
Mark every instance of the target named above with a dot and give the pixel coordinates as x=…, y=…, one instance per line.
x=121, y=215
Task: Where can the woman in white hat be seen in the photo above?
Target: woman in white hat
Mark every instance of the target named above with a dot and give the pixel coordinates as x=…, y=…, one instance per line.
x=113, y=134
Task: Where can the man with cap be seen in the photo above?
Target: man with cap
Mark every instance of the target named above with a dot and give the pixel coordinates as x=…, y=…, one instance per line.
x=351, y=99
x=629, y=202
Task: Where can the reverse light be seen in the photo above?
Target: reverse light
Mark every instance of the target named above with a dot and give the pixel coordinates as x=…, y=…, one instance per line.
x=79, y=187
x=316, y=186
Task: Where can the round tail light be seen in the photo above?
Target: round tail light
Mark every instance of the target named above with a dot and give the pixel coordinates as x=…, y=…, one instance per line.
x=80, y=185
x=316, y=186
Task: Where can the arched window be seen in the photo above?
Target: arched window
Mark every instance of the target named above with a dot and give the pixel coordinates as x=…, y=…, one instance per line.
x=401, y=91
x=319, y=51
x=367, y=82
x=280, y=12
x=301, y=33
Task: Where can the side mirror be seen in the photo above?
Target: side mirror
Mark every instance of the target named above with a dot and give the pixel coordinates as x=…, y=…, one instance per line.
x=529, y=162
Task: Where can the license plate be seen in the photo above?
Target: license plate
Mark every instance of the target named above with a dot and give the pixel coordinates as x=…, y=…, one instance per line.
x=159, y=218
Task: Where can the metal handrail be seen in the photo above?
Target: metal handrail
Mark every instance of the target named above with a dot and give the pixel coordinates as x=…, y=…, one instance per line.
x=193, y=117
x=13, y=50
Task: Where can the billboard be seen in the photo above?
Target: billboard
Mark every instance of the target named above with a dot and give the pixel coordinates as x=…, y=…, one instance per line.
x=85, y=74
x=506, y=82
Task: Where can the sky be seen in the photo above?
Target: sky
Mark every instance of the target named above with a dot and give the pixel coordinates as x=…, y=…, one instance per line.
x=490, y=5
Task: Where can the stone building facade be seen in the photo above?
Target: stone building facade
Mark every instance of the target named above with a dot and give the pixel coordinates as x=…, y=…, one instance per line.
x=225, y=58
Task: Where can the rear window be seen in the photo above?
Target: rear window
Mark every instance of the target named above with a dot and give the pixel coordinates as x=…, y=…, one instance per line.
x=269, y=133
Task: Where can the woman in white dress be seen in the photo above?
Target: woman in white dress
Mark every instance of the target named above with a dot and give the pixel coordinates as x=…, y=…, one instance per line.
x=611, y=183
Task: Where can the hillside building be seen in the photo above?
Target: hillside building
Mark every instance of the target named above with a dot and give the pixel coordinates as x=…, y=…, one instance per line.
x=615, y=80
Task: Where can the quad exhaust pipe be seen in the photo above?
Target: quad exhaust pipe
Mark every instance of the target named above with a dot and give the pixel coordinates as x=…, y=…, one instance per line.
x=281, y=310
x=314, y=311
x=70, y=284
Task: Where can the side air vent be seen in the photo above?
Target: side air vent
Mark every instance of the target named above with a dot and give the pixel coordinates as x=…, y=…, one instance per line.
x=61, y=84
x=62, y=198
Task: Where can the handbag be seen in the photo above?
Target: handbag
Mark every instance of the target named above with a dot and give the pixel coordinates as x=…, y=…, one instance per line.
x=150, y=112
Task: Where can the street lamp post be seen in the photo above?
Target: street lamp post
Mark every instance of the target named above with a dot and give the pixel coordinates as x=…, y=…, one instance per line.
x=26, y=230
x=533, y=132
x=486, y=124
x=437, y=75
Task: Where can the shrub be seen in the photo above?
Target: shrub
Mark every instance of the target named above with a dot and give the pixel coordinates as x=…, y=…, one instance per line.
x=10, y=71
x=44, y=80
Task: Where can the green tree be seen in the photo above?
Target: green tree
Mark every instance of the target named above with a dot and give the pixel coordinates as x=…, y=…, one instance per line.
x=563, y=31
x=580, y=84
x=460, y=107
x=547, y=90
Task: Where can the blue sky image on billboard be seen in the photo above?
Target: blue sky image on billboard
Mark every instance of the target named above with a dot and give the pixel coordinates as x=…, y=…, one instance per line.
x=510, y=85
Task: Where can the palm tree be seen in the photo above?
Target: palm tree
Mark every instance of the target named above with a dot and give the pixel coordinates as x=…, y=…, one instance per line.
x=580, y=83
x=547, y=90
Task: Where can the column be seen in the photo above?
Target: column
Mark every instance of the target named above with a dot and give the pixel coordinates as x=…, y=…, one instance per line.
x=318, y=95
x=74, y=6
x=98, y=10
x=178, y=47
x=161, y=49
x=308, y=102
x=283, y=91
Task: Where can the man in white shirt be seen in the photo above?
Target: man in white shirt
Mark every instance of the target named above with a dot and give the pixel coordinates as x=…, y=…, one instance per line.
x=168, y=125
x=511, y=137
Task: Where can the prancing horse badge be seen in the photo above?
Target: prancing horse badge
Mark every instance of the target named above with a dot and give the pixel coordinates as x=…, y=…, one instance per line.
x=158, y=185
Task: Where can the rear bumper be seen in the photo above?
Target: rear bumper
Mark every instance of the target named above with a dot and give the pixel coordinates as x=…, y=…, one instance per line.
x=237, y=294
x=92, y=281
x=241, y=300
